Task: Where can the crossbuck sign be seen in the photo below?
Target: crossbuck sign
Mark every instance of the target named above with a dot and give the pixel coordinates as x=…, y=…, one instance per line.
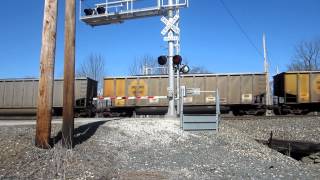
x=170, y=25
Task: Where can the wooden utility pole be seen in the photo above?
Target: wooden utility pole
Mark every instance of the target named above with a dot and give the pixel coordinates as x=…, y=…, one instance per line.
x=69, y=68
x=45, y=92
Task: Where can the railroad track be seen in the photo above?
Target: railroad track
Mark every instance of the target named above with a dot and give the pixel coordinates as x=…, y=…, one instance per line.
x=23, y=117
x=267, y=117
x=223, y=117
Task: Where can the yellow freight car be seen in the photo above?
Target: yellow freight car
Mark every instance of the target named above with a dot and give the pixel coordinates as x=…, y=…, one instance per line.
x=297, y=92
x=241, y=93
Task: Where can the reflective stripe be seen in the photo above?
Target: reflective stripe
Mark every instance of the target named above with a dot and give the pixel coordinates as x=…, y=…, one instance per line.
x=133, y=97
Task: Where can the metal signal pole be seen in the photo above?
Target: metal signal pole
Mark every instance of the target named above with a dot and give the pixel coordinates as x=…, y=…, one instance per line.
x=177, y=47
x=171, y=108
x=47, y=57
x=69, y=69
x=266, y=70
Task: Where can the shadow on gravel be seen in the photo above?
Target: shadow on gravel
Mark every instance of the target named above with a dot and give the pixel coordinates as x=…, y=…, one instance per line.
x=84, y=132
x=308, y=152
x=81, y=133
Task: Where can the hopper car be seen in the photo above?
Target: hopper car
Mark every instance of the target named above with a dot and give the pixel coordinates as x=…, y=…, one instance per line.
x=296, y=92
x=19, y=96
x=241, y=94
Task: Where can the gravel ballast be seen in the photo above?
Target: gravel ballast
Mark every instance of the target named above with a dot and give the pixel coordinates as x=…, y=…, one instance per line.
x=158, y=149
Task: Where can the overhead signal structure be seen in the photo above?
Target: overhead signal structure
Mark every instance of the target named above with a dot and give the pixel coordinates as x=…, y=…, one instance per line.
x=106, y=12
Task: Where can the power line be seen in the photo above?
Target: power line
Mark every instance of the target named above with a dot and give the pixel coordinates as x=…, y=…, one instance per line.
x=241, y=28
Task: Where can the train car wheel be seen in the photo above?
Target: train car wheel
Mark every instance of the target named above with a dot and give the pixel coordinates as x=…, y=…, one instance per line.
x=277, y=111
x=235, y=112
x=260, y=113
x=76, y=114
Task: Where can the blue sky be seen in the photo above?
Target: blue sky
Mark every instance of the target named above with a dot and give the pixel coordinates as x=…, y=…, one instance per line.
x=209, y=37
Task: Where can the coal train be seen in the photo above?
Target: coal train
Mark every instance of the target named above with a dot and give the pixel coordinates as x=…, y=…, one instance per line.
x=19, y=97
x=240, y=93
x=296, y=92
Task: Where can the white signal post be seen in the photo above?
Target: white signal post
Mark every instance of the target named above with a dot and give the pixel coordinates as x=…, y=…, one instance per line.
x=268, y=98
x=177, y=48
x=171, y=108
x=171, y=29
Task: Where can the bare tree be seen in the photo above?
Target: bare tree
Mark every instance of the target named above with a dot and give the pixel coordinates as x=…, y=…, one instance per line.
x=146, y=63
x=306, y=57
x=198, y=70
x=93, y=67
x=195, y=69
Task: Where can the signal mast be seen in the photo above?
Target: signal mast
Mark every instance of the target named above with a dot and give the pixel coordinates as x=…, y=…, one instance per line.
x=108, y=12
x=268, y=97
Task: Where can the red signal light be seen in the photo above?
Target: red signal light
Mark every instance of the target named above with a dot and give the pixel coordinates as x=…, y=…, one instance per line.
x=177, y=59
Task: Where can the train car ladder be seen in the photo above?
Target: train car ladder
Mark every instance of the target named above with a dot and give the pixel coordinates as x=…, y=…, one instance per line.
x=194, y=122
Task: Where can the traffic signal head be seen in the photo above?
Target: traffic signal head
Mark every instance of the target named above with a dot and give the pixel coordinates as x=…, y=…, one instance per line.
x=101, y=10
x=162, y=60
x=177, y=59
x=185, y=69
x=88, y=12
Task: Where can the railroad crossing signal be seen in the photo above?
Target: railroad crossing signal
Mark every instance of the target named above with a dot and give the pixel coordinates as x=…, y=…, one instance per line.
x=170, y=24
x=109, y=12
x=171, y=37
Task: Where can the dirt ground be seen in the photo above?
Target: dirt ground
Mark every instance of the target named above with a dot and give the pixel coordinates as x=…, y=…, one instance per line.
x=157, y=149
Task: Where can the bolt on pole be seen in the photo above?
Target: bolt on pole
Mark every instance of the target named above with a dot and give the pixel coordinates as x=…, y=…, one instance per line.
x=171, y=108
x=45, y=90
x=69, y=69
